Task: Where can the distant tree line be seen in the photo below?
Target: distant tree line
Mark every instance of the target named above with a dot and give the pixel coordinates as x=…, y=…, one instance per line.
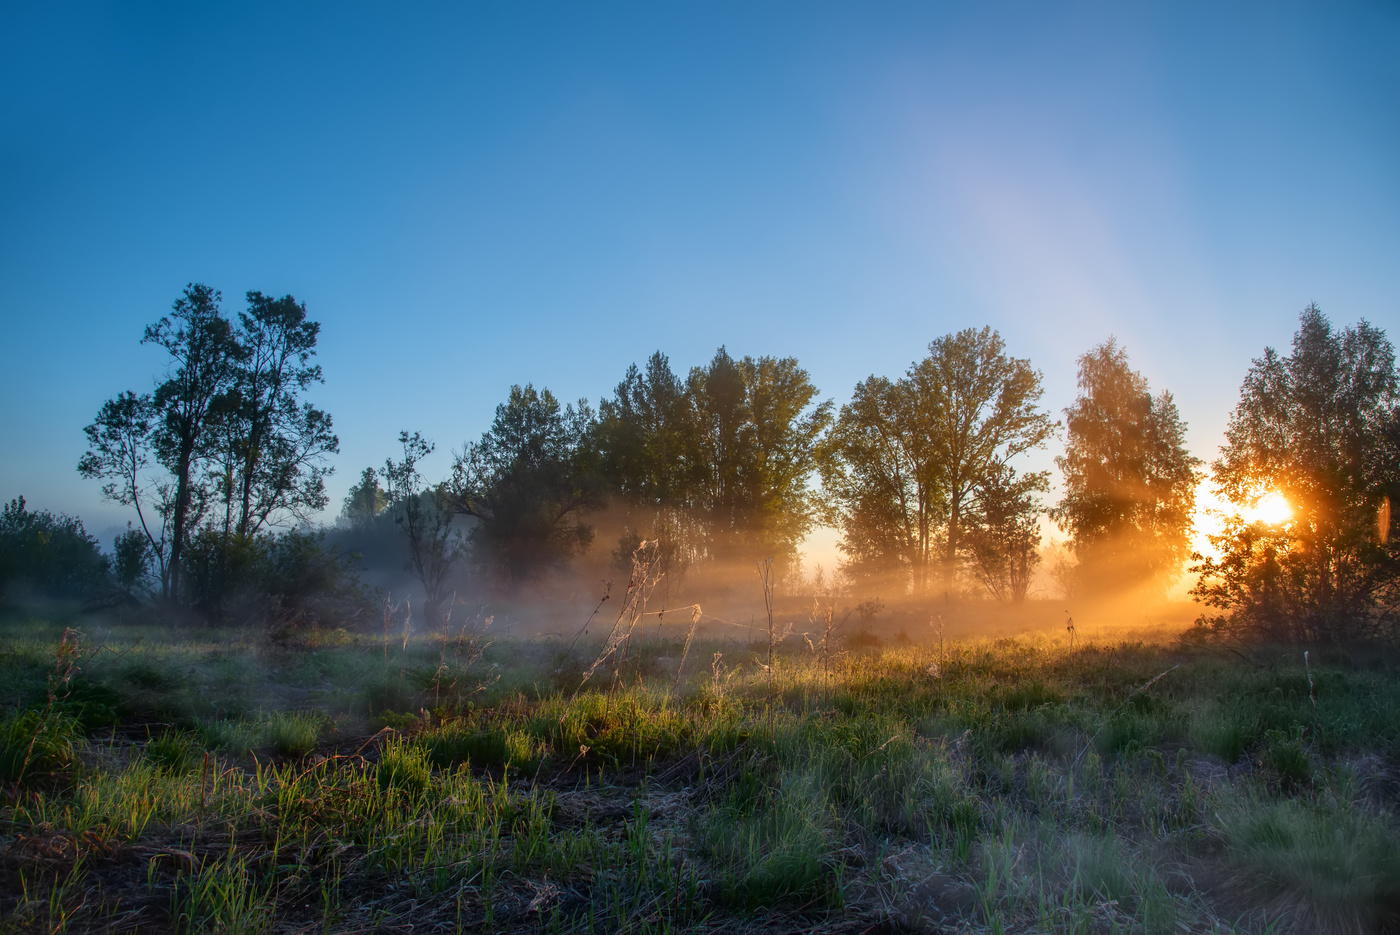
x=223, y=463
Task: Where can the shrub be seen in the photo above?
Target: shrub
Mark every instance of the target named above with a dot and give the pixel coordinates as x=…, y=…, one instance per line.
x=50, y=553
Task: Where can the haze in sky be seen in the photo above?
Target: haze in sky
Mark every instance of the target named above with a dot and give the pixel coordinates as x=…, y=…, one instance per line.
x=473, y=195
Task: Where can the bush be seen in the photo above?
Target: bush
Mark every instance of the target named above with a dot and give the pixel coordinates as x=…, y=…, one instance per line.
x=287, y=582
x=51, y=554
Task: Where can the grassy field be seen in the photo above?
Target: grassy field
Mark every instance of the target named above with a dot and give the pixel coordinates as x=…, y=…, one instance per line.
x=216, y=782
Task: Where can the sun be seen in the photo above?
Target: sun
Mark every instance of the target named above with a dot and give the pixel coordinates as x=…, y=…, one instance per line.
x=1271, y=509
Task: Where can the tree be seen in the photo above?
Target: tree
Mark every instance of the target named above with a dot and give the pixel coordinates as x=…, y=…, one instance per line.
x=981, y=411
x=756, y=430
x=119, y=453
x=52, y=554
x=1320, y=428
x=529, y=482
x=365, y=501
x=648, y=461
x=879, y=486
x=226, y=425
x=1129, y=480
x=785, y=431
x=425, y=516
x=906, y=467
x=131, y=561
x=272, y=445
x=1003, y=531
x=204, y=353
x=171, y=425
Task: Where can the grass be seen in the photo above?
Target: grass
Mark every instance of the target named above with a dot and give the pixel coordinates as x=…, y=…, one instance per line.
x=220, y=784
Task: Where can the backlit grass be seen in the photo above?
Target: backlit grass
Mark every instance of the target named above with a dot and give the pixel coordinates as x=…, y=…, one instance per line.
x=221, y=784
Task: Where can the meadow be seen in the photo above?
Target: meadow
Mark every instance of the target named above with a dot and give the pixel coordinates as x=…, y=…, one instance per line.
x=200, y=780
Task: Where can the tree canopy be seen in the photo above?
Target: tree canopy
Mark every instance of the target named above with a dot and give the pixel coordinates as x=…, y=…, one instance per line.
x=1129, y=480
x=1319, y=427
x=908, y=463
x=225, y=428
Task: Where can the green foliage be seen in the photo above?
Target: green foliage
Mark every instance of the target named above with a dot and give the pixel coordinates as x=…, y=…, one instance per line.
x=1320, y=427
x=287, y=582
x=917, y=472
x=175, y=752
x=1129, y=480
x=529, y=482
x=50, y=554
x=715, y=465
x=403, y=767
x=288, y=734
x=973, y=795
x=365, y=501
x=224, y=447
x=1337, y=866
x=776, y=846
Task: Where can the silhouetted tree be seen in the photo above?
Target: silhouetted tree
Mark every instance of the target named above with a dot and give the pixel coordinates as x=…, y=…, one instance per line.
x=1129, y=480
x=131, y=562
x=120, y=453
x=1321, y=427
x=226, y=425
x=529, y=482
x=425, y=515
x=50, y=553
x=756, y=429
x=271, y=445
x=908, y=460
x=647, y=460
x=172, y=424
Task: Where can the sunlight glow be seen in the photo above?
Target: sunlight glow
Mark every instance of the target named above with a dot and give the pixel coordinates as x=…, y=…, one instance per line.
x=1270, y=509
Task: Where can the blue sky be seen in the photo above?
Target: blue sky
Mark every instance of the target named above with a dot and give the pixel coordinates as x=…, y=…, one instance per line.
x=473, y=195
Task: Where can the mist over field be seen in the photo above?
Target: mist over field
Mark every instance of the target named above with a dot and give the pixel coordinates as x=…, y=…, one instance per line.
x=629, y=468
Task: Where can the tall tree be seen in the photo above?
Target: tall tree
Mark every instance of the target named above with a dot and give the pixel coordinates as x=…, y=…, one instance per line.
x=225, y=425
x=204, y=356
x=1129, y=480
x=272, y=443
x=786, y=428
x=647, y=460
x=642, y=435
x=1003, y=533
x=169, y=427
x=719, y=417
x=120, y=454
x=982, y=410
x=1321, y=428
x=529, y=482
x=756, y=428
x=878, y=483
